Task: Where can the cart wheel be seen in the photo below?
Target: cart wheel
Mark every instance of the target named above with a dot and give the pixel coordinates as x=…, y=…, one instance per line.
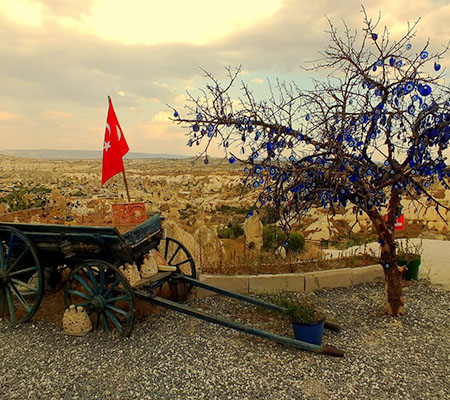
x=178, y=256
x=21, y=276
x=105, y=294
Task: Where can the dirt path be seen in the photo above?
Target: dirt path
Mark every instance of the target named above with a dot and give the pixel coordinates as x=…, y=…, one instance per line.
x=435, y=259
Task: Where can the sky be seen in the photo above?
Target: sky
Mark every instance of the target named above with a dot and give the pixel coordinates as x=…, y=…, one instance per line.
x=59, y=60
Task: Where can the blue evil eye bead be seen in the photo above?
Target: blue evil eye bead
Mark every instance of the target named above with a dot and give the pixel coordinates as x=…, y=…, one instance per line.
x=424, y=106
x=246, y=169
x=308, y=117
x=272, y=172
x=231, y=160
x=195, y=128
x=399, y=63
x=374, y=68
x=257, y=135
x=258, y=170
x=199, y=117
x=189, y=143
x=425, y=90
x=392, y=61
x=415, y=97
x=437, y=66
x=409, y=86
x=374, y=36
x=291, y=158
x=427, y=184
x=411, y=110
x=176, y=115
x=386, y=163
x=255, y=184
x=379, y=63
x=206, y=160
x=408, y=46
x=249, y=214
x=424, y=55
x=211, y=128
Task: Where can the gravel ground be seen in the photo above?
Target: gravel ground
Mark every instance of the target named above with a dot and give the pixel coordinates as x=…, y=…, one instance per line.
x=171, y=356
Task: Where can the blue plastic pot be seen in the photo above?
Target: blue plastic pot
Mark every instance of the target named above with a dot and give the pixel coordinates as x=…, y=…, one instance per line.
x=309, y=333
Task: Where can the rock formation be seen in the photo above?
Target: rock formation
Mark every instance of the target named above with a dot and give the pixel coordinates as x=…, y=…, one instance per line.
x=253, y=232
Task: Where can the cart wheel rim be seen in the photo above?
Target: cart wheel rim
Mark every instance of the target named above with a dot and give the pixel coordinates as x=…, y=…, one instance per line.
x=104, y=292
x=21, y=276
x=178, y=256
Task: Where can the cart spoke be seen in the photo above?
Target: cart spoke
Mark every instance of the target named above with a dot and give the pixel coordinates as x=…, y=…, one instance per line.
x=182, y=262
x=118, y=298
x=93, y=280
x=10, y=249
x=115, y=321
x=12, y=314
x=111, y=288
x=83, y=282
x=18, y=259
x=81, y=294
x=105, y=322
x=2, y=256
x=24, y=284
x=166, y=249
x=174, y=255
x=23, y=271
x=118, y=311
x=20, y=298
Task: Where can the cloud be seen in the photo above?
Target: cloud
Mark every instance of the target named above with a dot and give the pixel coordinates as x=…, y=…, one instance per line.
x=58, y=114
x=67, y=69
x=5, y=116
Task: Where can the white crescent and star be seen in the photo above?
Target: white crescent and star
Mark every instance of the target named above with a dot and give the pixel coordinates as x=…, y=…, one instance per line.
x=107, y=145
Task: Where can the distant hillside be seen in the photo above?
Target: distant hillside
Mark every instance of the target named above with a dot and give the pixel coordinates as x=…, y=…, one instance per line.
x=79, y=154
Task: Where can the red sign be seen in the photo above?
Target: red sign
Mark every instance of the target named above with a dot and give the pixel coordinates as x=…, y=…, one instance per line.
x=128, y=213
x=399, y=222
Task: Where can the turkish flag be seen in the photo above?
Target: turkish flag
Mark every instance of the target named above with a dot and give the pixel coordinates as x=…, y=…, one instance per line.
x=114, y=146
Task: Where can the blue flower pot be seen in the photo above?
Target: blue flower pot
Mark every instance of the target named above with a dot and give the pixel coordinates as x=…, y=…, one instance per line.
x=309, y=333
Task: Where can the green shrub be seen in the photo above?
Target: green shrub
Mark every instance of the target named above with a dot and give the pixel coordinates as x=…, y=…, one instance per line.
x=274, y=237
x=296, y=242
x=231, y=231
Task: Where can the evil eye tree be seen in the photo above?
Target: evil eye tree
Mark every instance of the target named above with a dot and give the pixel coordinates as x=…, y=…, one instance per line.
x=372, y=130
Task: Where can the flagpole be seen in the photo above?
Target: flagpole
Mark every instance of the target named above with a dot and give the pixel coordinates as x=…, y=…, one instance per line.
x=126, y=184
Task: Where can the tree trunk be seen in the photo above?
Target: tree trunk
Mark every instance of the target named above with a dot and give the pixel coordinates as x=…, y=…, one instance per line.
x=393, y=274
x=394, y=290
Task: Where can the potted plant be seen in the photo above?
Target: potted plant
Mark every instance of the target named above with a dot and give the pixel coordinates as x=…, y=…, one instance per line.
x=307, y=319
x=409, y=256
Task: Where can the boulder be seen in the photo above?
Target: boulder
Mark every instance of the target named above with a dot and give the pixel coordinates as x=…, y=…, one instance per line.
x=212, y=249
x=253, y=232
x=186, y=239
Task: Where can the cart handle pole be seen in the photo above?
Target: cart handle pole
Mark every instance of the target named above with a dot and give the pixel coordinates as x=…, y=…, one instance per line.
x=126, y=184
